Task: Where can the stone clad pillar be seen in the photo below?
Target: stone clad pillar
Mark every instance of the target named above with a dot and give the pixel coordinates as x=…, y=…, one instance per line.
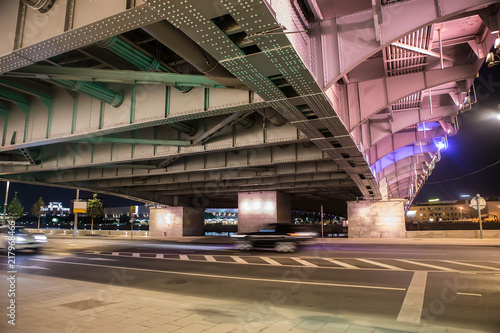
x=376, y=219
x=176, y=221
x=259, y=208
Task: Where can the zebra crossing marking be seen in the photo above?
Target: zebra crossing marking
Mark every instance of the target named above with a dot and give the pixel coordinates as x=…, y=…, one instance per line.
x=472, y=265
x=183, y=257
x=376, y=263
x=271, y=261
x=238, y=260
x=137, y=255
x=303, y=262
x=427, y=265
x=210, y=258
x=341, y=263
x=159, y=256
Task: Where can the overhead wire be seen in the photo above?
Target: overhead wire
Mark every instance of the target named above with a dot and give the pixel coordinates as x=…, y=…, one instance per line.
x=466, y=175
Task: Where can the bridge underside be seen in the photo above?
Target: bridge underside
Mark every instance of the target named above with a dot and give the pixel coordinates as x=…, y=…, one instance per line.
x=192, y=102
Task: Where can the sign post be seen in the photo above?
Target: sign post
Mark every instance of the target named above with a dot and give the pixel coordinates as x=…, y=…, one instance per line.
x=478, y=203
x=5, y=204
x=322, y=224
x=75, y=225
x=132, y=218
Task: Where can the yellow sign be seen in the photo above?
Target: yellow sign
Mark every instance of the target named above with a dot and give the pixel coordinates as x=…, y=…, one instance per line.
x=79, y=207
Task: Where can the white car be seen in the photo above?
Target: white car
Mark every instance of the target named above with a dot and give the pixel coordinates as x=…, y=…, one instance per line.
x=20, y=239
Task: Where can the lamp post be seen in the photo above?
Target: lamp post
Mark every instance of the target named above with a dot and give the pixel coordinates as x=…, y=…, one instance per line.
x=461, y=213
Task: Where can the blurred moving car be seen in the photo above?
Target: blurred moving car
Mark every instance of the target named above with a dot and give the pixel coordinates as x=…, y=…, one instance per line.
x=283, y=237
x=23, y=240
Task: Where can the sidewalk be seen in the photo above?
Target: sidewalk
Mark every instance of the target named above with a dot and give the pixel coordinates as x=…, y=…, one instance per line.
x=47, y=304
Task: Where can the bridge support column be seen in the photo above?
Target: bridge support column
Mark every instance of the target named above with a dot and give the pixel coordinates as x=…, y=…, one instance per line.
x=259, y=208
x=376, y=219
x=176, y=221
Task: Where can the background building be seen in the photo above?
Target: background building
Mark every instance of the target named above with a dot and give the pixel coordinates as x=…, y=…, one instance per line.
x=56, y=209
x=453, y=211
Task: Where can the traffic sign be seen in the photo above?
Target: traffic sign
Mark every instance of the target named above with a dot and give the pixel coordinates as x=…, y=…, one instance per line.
x=474, y=201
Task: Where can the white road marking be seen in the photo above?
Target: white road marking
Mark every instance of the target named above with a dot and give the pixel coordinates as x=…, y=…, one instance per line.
x=467, y=273
x=115, y=253
x=238, y=260
x=497, y=274
x=159, y=256
x=100, y=259
x=97, y=252
x=270, y=261
x=472, y=265
x=469, y=294
x=136, y=255
x=411, y=310
x=376, y=263
x=210, y=258
x=226, y=277
x=33, y=267
x=183, y=257
x=340, y=263
x=305, y=263
x=427, y=265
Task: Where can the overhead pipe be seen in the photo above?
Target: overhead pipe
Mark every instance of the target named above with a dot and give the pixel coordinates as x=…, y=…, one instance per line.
x=120, y=47
x=186, y=48
x=42, y=6
x=93, y=90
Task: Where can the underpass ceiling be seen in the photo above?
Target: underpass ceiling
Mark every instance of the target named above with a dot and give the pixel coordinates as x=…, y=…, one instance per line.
x=174, y=116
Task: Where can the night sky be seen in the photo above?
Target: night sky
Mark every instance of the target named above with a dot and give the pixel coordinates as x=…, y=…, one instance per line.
x=474, y=147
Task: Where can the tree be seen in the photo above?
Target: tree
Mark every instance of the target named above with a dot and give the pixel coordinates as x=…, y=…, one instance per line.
x=37, y=209
x=94, y=209
x=15, y=208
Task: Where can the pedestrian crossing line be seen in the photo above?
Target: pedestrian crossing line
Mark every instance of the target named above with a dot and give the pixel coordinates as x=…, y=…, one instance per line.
x=238, y=260
x=471, y=265
x=270, y=261
x=137, y=255
x=305, y=263
x=115, y=253
x=376, y=263
x=183, y=257
x=210, y=258
x=97, y=252
x=340, y=263
x=469, y=294
x=159, y=256
x=427, y=265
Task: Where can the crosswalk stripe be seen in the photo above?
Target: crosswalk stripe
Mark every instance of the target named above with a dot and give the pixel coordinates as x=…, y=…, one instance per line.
x=305, y=263
x=411, y=310
x=136, y=254
x=97, y=252
x=238, y=260
x=471, y=265
x=427, y=265
x=115, y=253
x=159, y=256
x=270, y=261
x=340, y=263
x=210, y=258
x=376, y=263
x=183, y=257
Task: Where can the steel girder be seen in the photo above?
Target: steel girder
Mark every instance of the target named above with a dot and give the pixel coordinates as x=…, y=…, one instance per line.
x=408, y=162
x=399, y=140
x=352, y=39
x=257, y=70
x=400, y=154
x=144, y=106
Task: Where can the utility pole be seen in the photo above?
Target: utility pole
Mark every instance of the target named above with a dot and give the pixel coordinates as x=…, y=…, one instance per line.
x=5, y=204
x=322, y=224
x=75, y=224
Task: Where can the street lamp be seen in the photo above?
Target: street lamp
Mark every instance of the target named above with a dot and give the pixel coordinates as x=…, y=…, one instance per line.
x=461, y=212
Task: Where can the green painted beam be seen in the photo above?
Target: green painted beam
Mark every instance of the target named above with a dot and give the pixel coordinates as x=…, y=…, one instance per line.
x=45, y=98
x=127, y=77
x=4, y=112
x=136, y=141
x=20, y=101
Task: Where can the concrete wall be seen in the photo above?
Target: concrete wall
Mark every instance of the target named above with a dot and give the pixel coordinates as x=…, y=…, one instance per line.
x=256, y=209
x=376, y=219
x=453, y=234
x=176, y=221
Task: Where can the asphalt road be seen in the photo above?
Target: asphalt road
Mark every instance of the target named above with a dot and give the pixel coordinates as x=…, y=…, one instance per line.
x=442, y=285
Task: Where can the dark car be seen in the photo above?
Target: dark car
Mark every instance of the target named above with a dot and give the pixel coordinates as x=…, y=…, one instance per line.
x=283, y=237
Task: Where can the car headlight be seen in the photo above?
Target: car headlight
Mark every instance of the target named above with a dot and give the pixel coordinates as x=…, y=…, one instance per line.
x=40, y=238
x=20, y=239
